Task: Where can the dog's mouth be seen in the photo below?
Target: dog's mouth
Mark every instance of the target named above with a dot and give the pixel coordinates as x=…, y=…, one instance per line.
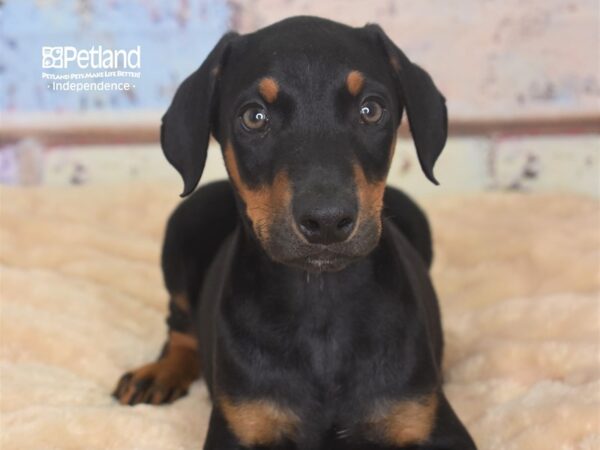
x=285, y=247
x=328, y=258
x=323, y=262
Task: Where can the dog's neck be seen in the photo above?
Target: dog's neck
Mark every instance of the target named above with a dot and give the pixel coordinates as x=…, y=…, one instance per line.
x=296, y=283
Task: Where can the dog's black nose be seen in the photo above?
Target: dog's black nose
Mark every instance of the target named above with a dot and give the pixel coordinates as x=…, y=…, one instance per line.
x=326, y=225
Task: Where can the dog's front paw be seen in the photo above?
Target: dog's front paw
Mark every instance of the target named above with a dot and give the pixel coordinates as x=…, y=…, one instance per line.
x=160, y=382
x=150, y=384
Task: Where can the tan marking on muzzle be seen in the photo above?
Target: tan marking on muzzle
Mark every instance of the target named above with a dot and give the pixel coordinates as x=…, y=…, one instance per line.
x=269, y=89
x=264, y=204
x=354, y=82
x=370, y=196
x=259, y=422
x=404, y=423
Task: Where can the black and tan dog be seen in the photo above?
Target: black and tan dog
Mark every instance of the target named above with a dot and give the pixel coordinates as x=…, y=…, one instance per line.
x=303, y=285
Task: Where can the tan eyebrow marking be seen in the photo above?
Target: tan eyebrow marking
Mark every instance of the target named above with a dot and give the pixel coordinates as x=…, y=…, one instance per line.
x=269, y=89
x=354, y=82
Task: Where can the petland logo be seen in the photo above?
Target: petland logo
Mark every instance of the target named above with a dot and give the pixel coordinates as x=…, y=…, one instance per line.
x=94, y=58
x=96, y=69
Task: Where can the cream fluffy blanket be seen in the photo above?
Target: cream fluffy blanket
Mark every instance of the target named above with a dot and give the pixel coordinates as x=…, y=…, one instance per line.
x=82, y=301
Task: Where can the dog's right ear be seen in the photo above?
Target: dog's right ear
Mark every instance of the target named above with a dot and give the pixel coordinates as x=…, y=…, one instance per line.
x=186, y=125
x=425, y=104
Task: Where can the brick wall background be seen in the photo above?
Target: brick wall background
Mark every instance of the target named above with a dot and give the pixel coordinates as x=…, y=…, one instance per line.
x=532, y=64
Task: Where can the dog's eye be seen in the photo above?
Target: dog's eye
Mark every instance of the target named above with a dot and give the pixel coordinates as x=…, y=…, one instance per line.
x=255, y=118
x=371, y=112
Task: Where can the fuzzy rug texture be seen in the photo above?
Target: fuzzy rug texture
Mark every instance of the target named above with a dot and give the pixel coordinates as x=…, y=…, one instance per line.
x=82, y=301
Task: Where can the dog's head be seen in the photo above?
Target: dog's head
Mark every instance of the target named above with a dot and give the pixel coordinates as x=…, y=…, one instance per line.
x=306, y=112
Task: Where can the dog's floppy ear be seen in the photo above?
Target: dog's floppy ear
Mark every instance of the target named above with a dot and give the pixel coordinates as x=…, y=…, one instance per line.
x=425, y=105
x=186, y=125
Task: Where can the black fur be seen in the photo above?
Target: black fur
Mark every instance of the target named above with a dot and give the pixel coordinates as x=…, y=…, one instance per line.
x=329, y=339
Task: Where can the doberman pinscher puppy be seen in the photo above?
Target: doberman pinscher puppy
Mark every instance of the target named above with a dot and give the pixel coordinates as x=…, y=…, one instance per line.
x=300, y=289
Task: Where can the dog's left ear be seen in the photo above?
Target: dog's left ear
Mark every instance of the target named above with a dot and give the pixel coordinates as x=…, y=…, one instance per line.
x=187, y=124
x=425, y=105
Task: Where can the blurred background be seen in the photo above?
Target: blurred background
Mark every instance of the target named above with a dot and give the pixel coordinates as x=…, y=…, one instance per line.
x=521, y=78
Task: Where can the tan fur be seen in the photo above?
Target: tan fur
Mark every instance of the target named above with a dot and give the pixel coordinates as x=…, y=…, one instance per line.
x=182, y=302
x=405, y=423
x=395, y=64
x=269, y=89
x=259, y=422
x=354, y=82
x=370, y=196
x=182, y=340
x=262, y=204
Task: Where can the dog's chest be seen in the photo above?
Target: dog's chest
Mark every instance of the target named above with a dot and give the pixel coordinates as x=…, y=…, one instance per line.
x=323, y=339
x=321, y=349
x=341, y=341
x=333, y=334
